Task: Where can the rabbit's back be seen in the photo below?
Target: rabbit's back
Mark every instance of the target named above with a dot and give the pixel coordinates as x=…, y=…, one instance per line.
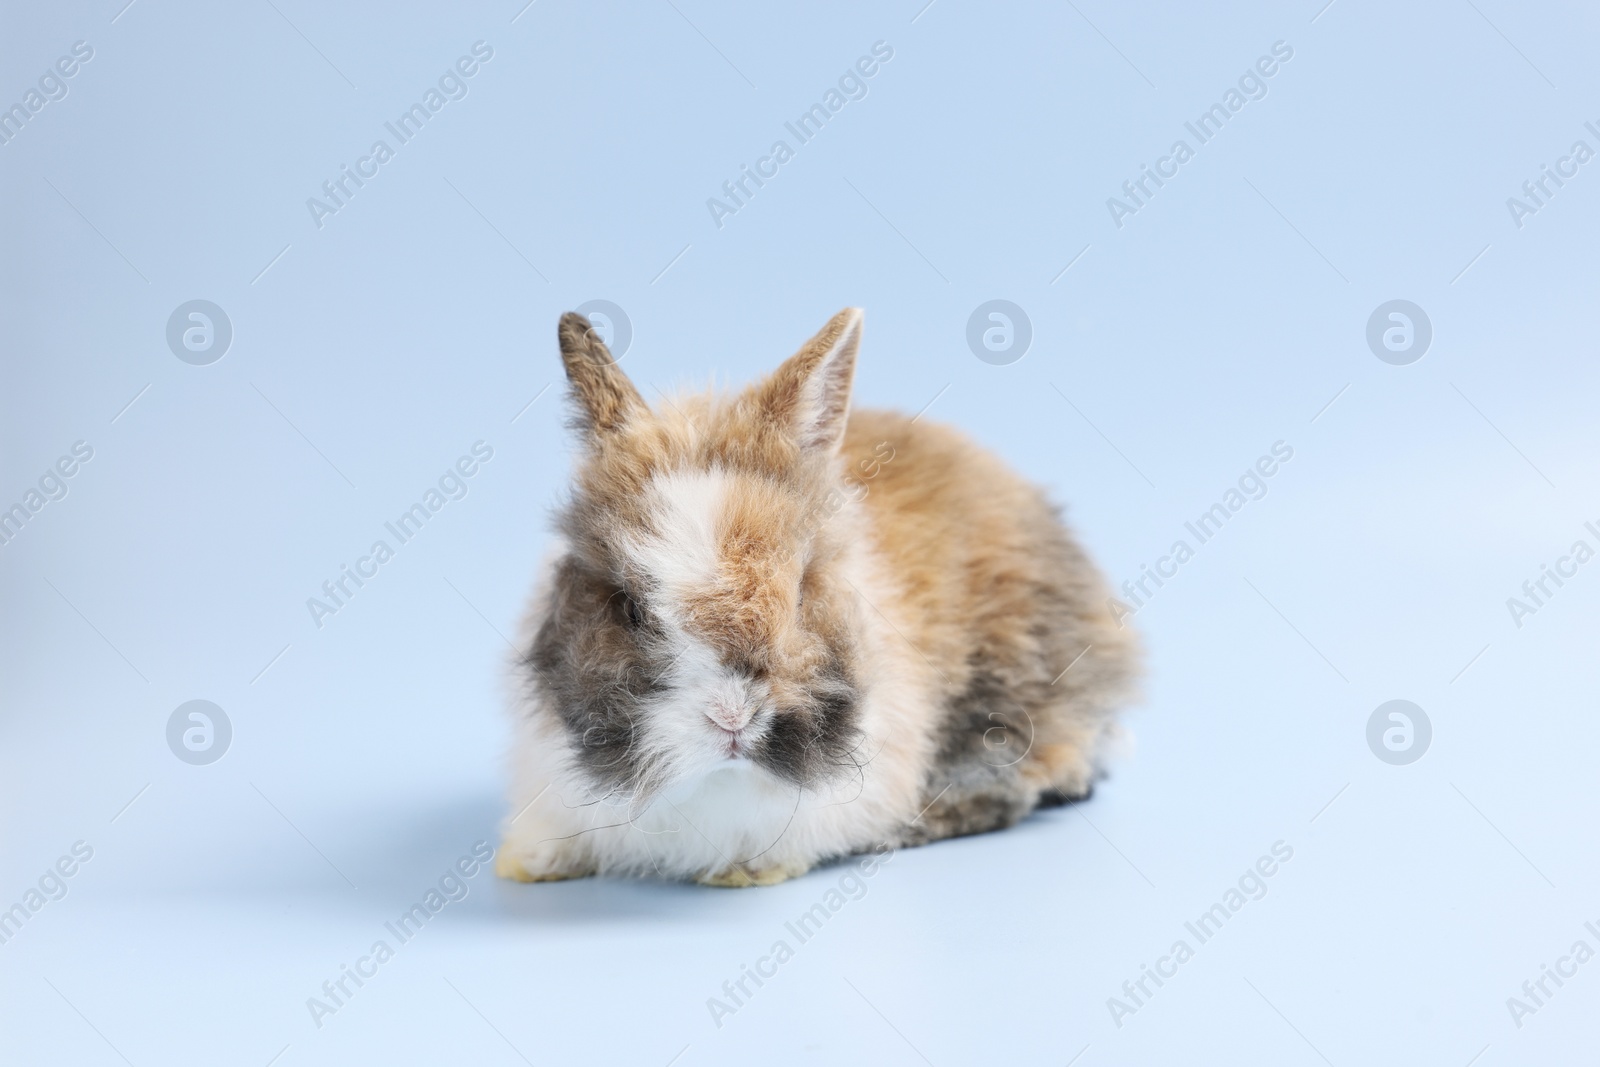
x=993, y=591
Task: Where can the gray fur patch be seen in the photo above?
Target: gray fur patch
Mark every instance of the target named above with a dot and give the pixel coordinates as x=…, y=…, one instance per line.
x=975, y=784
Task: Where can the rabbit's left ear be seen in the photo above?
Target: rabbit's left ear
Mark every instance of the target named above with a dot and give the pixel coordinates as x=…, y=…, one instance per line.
x=810, y=393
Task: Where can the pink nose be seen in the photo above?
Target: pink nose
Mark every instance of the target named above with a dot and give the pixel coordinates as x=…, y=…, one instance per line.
x=727, y=717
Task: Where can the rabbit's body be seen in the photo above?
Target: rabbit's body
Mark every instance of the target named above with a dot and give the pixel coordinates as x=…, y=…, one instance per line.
x=835, y=634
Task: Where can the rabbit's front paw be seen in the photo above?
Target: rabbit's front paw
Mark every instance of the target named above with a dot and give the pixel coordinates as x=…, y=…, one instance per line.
x=543, y=861
x=740, y=876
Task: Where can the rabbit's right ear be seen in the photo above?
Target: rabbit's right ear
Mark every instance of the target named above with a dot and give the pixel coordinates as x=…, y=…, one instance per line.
x=604, y=396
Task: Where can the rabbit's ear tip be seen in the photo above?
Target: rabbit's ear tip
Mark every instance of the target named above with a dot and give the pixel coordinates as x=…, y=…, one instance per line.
x=810, y=392
x=571, y=327
x=605, y=396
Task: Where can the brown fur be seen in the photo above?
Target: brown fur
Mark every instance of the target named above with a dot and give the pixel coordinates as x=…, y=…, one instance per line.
x=904, y=605
x=992, y=588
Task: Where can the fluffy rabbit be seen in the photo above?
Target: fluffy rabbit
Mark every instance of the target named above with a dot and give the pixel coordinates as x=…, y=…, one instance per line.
x=775, y=631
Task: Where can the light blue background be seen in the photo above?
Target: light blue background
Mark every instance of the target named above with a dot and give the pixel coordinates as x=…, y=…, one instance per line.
x=1221, y=318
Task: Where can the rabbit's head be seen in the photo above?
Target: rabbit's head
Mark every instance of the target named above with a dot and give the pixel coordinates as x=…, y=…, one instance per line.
x=704, y=609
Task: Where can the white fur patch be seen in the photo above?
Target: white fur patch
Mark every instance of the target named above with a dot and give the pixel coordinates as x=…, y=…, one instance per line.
x=691, y=729
x=708, y=716
x=686, y=509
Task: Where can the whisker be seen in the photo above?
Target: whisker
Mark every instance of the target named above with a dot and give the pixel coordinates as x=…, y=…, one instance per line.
x=799, y=791
x=580, y=833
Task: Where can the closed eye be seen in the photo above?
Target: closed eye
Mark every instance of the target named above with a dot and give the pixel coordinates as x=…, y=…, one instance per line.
x=628, y=611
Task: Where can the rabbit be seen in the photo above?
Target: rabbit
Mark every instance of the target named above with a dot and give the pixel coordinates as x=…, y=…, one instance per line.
x=774, y=631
